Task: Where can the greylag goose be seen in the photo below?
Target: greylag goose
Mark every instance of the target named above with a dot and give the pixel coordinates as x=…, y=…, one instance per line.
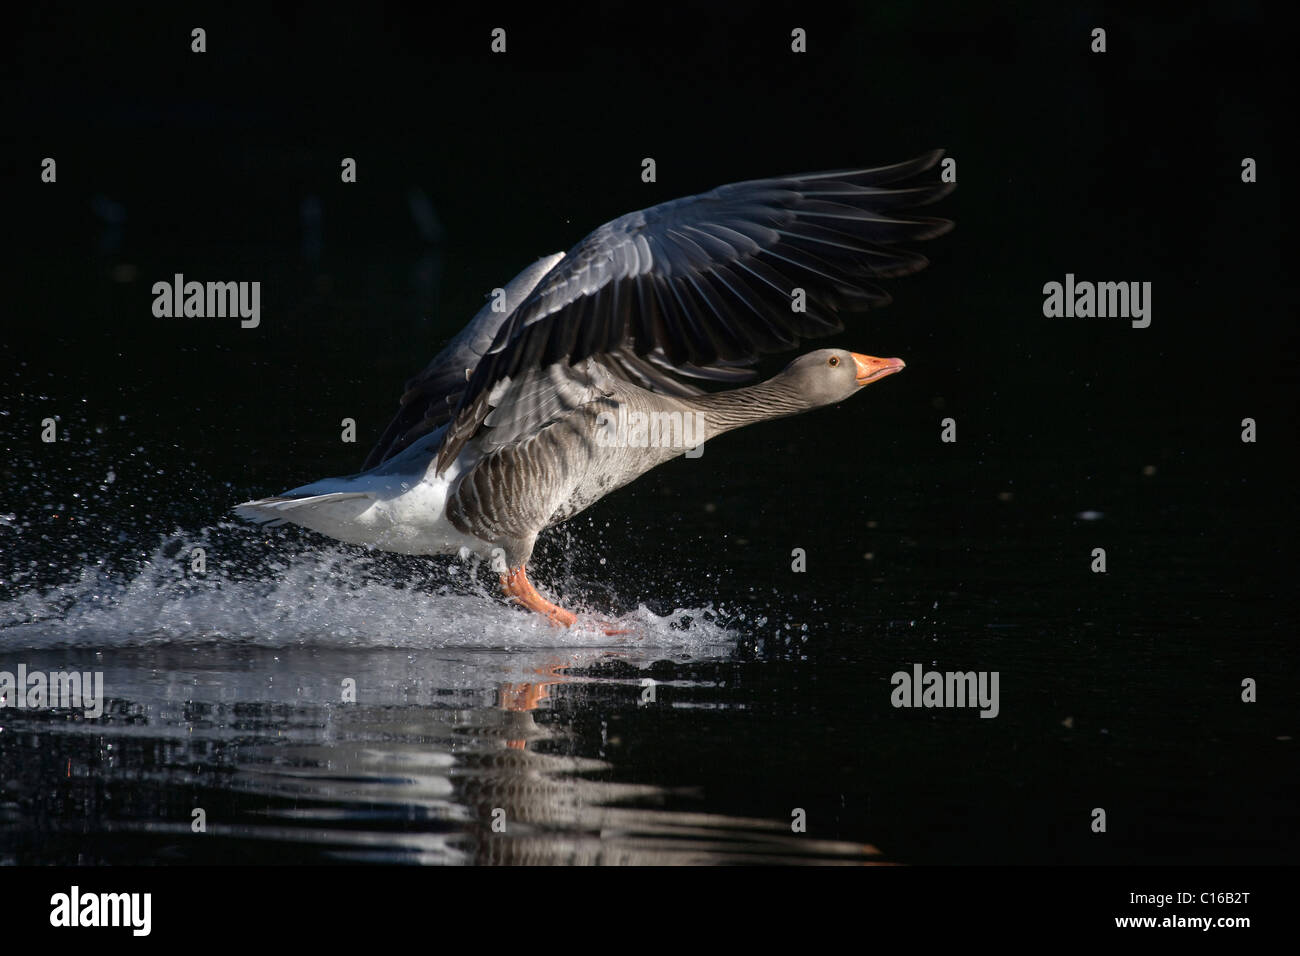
x=579, y=375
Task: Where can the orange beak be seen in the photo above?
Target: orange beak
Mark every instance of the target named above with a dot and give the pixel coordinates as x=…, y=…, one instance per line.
x=871, y=369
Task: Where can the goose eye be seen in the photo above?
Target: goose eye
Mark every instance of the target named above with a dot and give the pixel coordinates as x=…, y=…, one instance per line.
x=833, y=361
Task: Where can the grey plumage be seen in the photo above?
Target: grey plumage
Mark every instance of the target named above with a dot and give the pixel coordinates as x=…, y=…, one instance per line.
x=704, y=284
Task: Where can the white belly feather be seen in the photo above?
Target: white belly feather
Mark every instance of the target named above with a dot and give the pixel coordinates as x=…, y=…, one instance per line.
x=400, y=506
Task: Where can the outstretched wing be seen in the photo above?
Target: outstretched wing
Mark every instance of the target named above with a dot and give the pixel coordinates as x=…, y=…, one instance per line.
x=432, y=396
x=703, y=286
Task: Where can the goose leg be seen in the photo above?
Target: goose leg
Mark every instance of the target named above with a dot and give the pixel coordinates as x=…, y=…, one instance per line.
x=519, y=588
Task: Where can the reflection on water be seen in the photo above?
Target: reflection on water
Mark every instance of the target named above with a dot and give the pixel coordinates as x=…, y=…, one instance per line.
x=311, y=702
x=458, y=756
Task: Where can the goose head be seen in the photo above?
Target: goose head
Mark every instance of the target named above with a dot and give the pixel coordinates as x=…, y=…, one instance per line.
x=828, y=376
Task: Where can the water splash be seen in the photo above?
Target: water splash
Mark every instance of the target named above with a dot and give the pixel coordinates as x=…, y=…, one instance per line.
x=322, y=596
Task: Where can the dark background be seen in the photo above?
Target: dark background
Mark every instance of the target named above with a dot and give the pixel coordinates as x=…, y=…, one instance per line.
x=1123, y=166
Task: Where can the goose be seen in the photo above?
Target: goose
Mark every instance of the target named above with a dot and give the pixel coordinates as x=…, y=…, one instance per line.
x=538, y=407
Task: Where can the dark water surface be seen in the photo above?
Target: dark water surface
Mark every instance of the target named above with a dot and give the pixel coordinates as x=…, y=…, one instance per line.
x=771, y=688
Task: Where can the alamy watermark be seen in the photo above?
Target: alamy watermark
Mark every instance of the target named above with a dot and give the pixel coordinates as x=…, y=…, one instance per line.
x=625, y=429
x=75, y=908
x=1102, y=300
x=70, y=690
x=922, y=688
x=208, y=300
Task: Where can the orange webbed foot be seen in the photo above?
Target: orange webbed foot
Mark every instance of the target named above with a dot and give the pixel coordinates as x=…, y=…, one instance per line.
x=520, y=590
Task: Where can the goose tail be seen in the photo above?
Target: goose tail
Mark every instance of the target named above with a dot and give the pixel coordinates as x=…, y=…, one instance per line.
x=305, y=510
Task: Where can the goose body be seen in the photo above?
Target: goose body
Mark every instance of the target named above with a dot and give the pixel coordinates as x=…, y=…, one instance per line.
x=522, y=421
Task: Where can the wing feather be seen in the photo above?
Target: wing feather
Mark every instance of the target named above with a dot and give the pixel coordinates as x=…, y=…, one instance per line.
x=700, y=287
